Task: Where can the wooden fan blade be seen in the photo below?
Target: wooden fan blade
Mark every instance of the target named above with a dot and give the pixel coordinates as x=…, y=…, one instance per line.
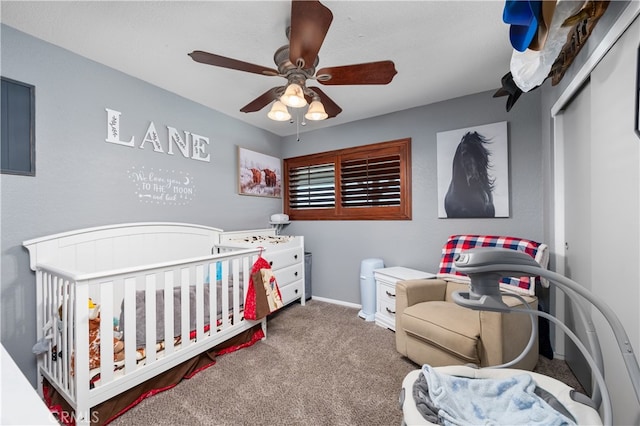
x=331, y=108
x=310, y=21
x=234, y=64
x=263, y=100
x=381, y=72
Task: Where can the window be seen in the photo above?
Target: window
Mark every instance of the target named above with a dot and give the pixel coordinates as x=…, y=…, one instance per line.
x=370, y=182
x=18, y=128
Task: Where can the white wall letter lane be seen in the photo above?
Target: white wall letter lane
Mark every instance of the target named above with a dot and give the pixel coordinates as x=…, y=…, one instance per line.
x=199, y=148
x=175, y=138
x=193, y=146
x=152, y=136
x=113, y=128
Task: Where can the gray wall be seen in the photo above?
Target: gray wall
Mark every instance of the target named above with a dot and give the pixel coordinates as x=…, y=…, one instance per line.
x=83, y=181
x=338, y=247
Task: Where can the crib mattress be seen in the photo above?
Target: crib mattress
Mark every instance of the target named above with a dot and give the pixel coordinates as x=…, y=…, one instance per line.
x=141, y=356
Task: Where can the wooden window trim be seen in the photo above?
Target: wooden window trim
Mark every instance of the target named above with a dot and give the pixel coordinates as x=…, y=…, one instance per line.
x=399, y=147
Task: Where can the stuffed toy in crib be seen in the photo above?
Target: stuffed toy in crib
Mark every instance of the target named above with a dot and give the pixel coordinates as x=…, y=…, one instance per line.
x=94, y=339
x=94, y=345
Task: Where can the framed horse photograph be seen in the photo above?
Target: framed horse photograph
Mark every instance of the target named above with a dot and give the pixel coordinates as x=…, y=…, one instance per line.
x=473, y=172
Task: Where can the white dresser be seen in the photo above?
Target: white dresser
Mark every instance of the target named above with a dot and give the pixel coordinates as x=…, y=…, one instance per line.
x=386, y=279
x=285, y=254
x=288, y=268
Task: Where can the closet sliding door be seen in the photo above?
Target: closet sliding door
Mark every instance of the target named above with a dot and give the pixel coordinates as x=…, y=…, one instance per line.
x=576, y=120
x=615, y=210
x=598, y=206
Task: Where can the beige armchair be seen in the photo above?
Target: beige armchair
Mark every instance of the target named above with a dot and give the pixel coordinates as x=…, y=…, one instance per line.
x=432, y=329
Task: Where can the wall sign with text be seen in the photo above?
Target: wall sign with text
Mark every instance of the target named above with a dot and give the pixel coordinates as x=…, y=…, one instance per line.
x=161, y=186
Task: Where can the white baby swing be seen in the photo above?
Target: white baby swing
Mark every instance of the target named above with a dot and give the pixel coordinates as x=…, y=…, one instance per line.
x=453, y=397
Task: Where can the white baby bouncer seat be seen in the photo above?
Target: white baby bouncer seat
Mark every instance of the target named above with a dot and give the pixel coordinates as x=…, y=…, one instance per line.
x=580, y=413
x=499, y=395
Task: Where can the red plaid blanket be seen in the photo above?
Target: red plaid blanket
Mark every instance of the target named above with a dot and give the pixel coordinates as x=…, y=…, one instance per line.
x=458, y=243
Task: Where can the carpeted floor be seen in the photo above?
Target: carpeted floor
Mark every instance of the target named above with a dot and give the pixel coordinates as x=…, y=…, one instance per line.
x=320, y=365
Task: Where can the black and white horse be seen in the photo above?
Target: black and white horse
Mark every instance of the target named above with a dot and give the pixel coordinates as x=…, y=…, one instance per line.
x=470, y=192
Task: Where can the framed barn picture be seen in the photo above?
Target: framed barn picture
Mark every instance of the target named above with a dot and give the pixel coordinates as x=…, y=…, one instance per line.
x=473, y=172
x=259, y=174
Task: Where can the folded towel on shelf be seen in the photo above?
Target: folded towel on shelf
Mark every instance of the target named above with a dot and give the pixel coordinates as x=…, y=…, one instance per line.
x=462, y=400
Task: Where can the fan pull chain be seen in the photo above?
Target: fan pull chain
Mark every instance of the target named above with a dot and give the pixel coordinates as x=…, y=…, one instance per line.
x=298, y=124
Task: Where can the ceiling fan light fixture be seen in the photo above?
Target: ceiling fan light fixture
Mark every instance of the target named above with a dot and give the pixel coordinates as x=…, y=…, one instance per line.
x=293, y=96
x=316, y=111
x=279, y=112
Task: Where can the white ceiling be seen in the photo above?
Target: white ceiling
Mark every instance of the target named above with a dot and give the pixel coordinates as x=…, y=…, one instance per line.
x=441, y=49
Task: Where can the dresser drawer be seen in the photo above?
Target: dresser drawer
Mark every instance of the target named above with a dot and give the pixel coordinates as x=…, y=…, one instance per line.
x=388, y=309
x=291, y=291
x=385, y=304
x=386, y=314
x=386, y=291
x=284, y=258
x=289, y=274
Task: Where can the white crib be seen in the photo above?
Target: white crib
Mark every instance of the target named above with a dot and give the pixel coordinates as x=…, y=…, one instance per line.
x=112, y=265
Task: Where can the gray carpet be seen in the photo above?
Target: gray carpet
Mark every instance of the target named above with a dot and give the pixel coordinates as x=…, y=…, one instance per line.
x=320, y=365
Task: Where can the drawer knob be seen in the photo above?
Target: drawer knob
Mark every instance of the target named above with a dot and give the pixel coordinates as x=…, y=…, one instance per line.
x=390, y=311
x=271, y=263
x=296, y=273
x=296, y=291
x=295, y=256
x=390, y=294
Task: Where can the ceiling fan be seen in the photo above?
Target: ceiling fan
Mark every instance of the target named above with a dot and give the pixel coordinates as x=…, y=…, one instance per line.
x=297, y=62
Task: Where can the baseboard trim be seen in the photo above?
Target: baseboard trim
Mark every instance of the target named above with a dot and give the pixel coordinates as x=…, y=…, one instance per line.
x=559, y=356
x=336, y=302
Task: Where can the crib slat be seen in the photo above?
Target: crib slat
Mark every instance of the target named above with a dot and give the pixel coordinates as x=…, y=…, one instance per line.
x=184, y=307
x=68, y=346
x=130, y=320
x=65, y=346
x=73, y=333
x=199, y=302
x=150, y=314
x=235, y=296
x=213, y=297
x=106, y=332
x=168, y=311
x=246, y=272
x=45, y=278
x=57, y=370
x=81, y=353
x=39, y=321
x=224, y=290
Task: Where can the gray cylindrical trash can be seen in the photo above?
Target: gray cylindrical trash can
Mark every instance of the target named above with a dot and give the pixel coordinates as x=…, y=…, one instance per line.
x=368, y=288
x=307, y=275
